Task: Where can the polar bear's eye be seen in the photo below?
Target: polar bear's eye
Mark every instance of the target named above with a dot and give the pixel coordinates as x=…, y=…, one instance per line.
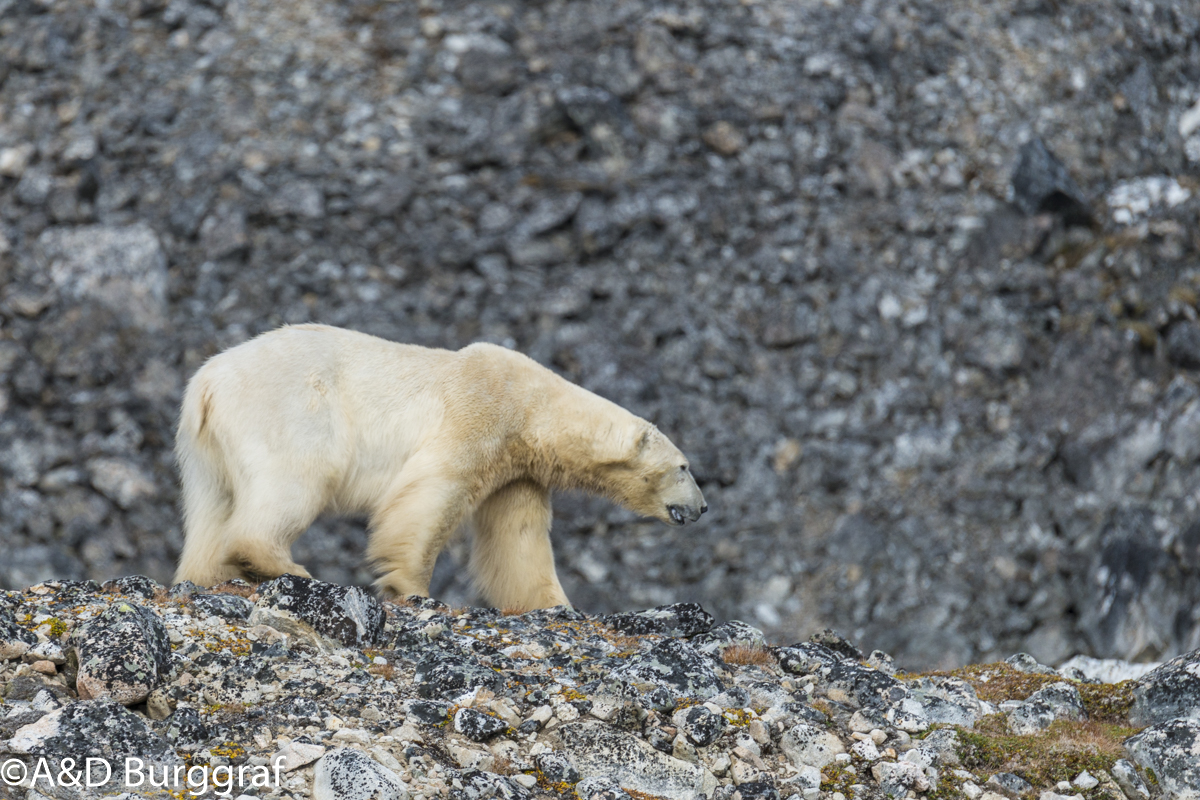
x=683, y=467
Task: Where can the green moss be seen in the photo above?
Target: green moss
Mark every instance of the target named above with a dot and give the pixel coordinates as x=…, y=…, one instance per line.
x=1107, y=702
x=1059, y=753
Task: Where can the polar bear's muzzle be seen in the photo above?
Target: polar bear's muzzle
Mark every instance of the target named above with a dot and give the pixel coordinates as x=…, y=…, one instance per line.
x=683, y=514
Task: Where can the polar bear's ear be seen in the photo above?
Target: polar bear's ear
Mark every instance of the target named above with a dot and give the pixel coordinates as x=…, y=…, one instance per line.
x=616, y=444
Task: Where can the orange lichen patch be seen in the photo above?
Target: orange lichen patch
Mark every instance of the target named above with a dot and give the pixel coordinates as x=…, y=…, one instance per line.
x=738, y=717
x=636, y=795
x=231, y=750
x=235, y=645
x=746, y=655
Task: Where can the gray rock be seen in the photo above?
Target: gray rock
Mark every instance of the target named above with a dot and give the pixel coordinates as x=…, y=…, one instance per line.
x=1105, y=670
x=1131, y=783
x=346, y=774
x=93, y=728
x=678, y=619
x=123, y=268
x=672, y=665
x=15, y=640
x=599, y=752
x=702, y=726
x=349, y=615
x=1042, y=184
x=840, y=678
x=476, y=725
x=124, y=654
x=229, y=606
x=1023, y=662
x=734, y=633
x=299, y=198
x=600, y=787
x=1058, y=701
x=1169, y=749
x=121, y=481
x=477, y=785
x=1183, y=345
x=1011, y=782
x=942, y=700
x=808, y=745
x=1170, y=691
x=556, y=768
x=451, y=676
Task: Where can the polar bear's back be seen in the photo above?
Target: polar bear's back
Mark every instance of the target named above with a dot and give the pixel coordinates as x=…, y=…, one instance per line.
x=318, y=402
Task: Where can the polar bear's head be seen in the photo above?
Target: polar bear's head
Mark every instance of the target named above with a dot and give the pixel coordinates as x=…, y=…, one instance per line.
x=649, y=475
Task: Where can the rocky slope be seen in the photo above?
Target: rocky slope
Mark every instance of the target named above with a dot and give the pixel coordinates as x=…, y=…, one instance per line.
x=914, y=285
x=298, y=688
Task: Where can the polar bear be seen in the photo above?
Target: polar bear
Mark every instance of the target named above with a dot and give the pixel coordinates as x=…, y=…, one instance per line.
x=311, y=418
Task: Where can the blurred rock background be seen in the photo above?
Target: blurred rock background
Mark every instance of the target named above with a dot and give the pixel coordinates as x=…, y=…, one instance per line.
x=914, y=284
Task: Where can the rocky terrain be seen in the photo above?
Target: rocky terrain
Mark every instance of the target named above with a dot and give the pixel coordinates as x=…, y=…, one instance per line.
x=298, y=688
x=914, y=285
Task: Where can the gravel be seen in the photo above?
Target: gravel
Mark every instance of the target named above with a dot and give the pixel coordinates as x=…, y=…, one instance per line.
x=915, y=288
x=541, y=711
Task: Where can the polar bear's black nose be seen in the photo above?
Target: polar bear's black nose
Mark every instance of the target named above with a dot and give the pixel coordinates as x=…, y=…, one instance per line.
x=704, y=508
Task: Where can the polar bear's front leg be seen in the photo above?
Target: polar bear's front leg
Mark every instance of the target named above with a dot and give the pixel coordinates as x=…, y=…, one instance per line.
x=511, y=558
x=411, y=529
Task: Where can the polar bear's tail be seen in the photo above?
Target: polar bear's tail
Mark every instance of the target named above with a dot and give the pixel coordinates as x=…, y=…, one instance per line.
x=207, y=496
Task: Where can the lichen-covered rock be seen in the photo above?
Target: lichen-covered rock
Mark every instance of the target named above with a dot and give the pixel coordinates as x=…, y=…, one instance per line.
x=808, y=745
x=1130, y=782
x=756, y=790
x=678, y=619
x=1169, y=692
x=702, y=726
x=1023, y=662
x=185, y=728
x=122, y=267
x=477, y=785
x=896, y=778
x=139, y=585
x=347, y=774
x=15, y=640
x=347, y=614
x=92, y=728
x=1172, y=751
x=839, y=644
x=673, y=665
x=449, y=678
x=734, y=633
x=949, y=701
x=429, y=712
x=598, y=751
x=600, y=787
x=124, y=654
x=1045, y=706
x=476, y=725
x=556, y=768
x=229, y=606
x=840, y=678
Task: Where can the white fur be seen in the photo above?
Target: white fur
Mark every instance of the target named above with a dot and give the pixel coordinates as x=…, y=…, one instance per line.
x=311, y=418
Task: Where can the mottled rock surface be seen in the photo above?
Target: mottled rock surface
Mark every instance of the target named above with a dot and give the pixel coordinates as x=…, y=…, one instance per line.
x=834, y=250
x=124, y=654
x=473, y=704
x=347, y=614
